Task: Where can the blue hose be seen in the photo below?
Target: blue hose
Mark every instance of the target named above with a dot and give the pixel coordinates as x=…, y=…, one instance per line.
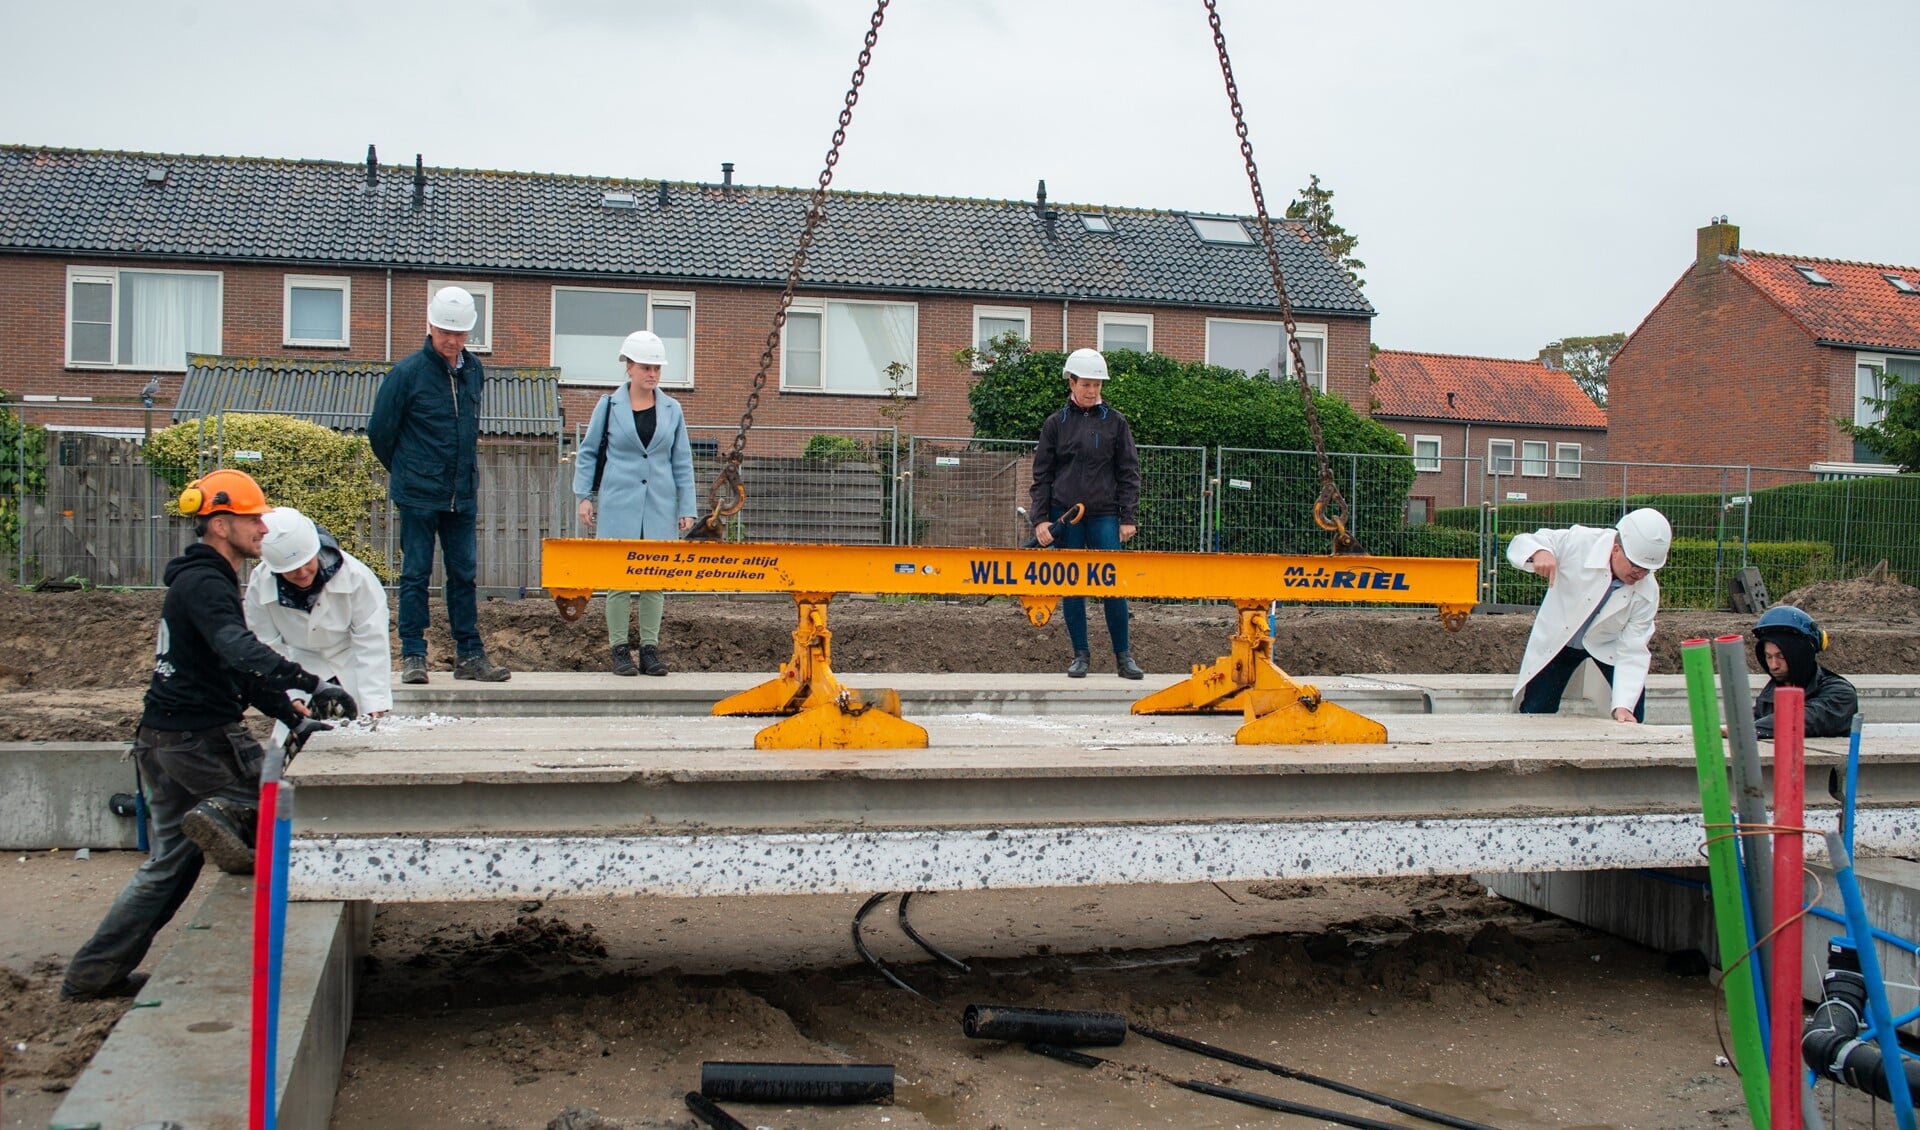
x=1884, y=1032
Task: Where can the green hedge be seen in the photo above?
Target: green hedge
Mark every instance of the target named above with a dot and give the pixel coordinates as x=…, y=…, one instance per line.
x=1690, y=579
x=329, y=476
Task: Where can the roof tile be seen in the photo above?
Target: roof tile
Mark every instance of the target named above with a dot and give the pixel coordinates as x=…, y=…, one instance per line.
x=1442, y=386
x=1860, y=308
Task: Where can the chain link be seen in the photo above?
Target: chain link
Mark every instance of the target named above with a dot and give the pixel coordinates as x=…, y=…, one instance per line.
x=729, y=493
x=1330, y=509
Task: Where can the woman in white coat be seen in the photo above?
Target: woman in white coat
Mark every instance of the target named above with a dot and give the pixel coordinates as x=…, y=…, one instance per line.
x=1600, y=604
x=321, y=607
x=634, y=479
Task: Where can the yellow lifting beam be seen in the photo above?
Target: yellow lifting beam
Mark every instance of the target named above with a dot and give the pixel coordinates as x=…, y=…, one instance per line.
x=828, y=715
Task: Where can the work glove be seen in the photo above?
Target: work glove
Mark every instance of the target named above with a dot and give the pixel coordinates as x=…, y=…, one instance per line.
x=298, y=734
x=331, y=700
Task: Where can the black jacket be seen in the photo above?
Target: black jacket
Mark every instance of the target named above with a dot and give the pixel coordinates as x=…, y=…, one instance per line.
x=1086, y=455
x=207, y=666
x=1831, y=705
x=425, y=430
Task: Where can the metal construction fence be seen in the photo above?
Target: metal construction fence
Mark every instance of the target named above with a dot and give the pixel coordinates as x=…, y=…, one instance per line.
x=86, y=507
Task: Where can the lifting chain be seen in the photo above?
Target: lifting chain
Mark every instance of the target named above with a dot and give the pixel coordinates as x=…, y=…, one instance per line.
x=729, y=492
x=1330, y=509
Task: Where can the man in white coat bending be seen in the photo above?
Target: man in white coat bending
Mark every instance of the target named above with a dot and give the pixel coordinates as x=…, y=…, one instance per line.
x=321, y=607
x=1601, y=597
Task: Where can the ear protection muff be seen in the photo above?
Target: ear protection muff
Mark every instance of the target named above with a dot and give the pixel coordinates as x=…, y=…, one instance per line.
x=191, y=500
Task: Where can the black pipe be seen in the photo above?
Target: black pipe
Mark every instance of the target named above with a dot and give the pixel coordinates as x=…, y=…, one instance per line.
x=866, y=955
x=906, y=927
x=1046, y=1025
x=704, y=1110
x=1831, y=1044
x=1187, y=1044
x=796, y=1082
x=1064, y=1055
x=1268, y=1102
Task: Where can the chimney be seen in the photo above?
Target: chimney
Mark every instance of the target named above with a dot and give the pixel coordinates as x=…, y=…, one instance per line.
x=1048, y=216
x=664, y=198
x=1718, y=240
x=1040, y=200
x=726, y=180
x=373, y=168
x=419, y=182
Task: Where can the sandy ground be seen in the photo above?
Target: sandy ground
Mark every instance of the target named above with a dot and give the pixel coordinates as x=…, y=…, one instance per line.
x=509, y=1015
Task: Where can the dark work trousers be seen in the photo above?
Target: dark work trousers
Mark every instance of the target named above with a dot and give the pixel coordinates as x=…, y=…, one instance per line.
x=419, y=529
x=179, y=770
x=1543, y=692
x=1093, y=532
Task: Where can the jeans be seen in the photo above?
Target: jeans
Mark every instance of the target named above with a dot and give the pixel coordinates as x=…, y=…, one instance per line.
x=459, y=553
x=1543, y=692
x=178, y=771
x=1093, y=532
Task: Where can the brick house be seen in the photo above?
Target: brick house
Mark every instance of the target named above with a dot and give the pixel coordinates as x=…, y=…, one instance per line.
x=1752, y=357
x=115, y=267
x=1478, y=425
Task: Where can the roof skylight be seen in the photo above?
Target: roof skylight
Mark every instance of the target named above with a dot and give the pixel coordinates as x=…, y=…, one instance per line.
x=619, y=200
x=1219, y=229
x=1901, y=284
x=1811, y=275
x=1095, y=223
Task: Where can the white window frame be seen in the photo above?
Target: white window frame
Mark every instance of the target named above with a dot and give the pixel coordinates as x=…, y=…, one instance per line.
x=111, y=276
x=1543, y=462
x=818, y=306
x=1207, y=344
x=1005, y=313
x=1429, y=464
x=485, y=325
x=1512, y=458
x=1115, y=318
x=1317, y=331
x=1560, y=460
x=655, y=299
x=341, y=283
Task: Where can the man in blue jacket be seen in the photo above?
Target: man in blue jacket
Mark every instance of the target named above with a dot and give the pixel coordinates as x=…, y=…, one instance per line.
x=425, y=430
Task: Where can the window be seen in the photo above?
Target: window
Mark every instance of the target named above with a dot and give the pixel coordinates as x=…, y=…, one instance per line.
x=481, y=339
x=1811, y=275
x=990, y=322
x=1900, y=283
x=317, y=310
x=1095, y=223
x=1219, y=229
x=1251, y=347
x=1125, y=331
x=133, y=319
x=1566, y=460
x=1533, y=458
x=1419, y=509
x=1499, y=457
x=845, y=346
x=1872, y=378
x=1426, y=453
x=591, y=323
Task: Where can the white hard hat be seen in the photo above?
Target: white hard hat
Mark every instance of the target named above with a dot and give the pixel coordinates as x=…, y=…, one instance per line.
x=1087, y=363
x=644, y=347
x=292, y=540
x=1645, y=536
x=452, y=309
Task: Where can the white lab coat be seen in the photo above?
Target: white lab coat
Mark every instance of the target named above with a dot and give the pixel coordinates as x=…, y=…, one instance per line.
x=344, y=636
x=1620, y=635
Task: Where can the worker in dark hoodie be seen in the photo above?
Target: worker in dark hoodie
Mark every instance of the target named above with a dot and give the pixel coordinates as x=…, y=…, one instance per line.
x=1786, y=641
x=199, y=765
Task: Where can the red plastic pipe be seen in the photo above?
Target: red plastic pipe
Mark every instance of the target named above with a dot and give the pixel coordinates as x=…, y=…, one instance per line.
x=1789, y=809
x=260, y=1078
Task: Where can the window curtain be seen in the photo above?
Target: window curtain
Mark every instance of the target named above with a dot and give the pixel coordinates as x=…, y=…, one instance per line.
x=863, y=339
x=164, y=317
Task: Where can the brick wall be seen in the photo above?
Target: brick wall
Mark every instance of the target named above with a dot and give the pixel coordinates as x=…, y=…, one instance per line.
x=1718, y=374
x=730, y=329
x=1463, y=483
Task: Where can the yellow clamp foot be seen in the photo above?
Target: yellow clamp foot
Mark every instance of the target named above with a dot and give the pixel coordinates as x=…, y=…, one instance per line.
x=853, y=719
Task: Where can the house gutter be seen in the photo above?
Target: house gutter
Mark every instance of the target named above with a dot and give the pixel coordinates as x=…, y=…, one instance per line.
x=1466, y=453
x=388, y=356
x=1064, y=303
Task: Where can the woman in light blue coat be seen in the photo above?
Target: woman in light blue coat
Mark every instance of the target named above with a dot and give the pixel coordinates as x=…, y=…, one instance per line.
x=634, y=479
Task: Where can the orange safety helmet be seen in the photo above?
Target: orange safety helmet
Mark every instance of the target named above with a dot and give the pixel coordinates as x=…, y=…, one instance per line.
x=223, y=491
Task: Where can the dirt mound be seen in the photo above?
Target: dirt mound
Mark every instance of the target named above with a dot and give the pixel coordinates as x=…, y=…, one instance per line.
x=44, y=1041
x=1858, y=599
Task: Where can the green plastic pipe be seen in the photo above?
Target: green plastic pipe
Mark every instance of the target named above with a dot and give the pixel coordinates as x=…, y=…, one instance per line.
x=1729, y=908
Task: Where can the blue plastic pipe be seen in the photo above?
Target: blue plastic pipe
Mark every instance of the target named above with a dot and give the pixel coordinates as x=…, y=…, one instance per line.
x=1884, y=1032
x=1852, y=798
x=277, y=931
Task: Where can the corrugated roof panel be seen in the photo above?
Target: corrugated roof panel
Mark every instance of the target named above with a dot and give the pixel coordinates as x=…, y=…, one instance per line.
x=339, y=394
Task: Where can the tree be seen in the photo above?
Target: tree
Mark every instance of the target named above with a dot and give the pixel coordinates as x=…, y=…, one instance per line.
x=1896, y=437
x=1585, y=359
x=1315, y=206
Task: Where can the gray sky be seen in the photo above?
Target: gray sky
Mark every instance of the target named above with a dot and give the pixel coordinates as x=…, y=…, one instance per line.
x=1516, y=171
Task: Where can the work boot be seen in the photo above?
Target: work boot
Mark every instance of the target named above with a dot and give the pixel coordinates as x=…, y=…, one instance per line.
x=623, y=660
x=413, y=669
x=477, y=667
x=224, y=831
x=1078, y=668
x=128, y=986
x=1128, y=668
x=650, y=660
